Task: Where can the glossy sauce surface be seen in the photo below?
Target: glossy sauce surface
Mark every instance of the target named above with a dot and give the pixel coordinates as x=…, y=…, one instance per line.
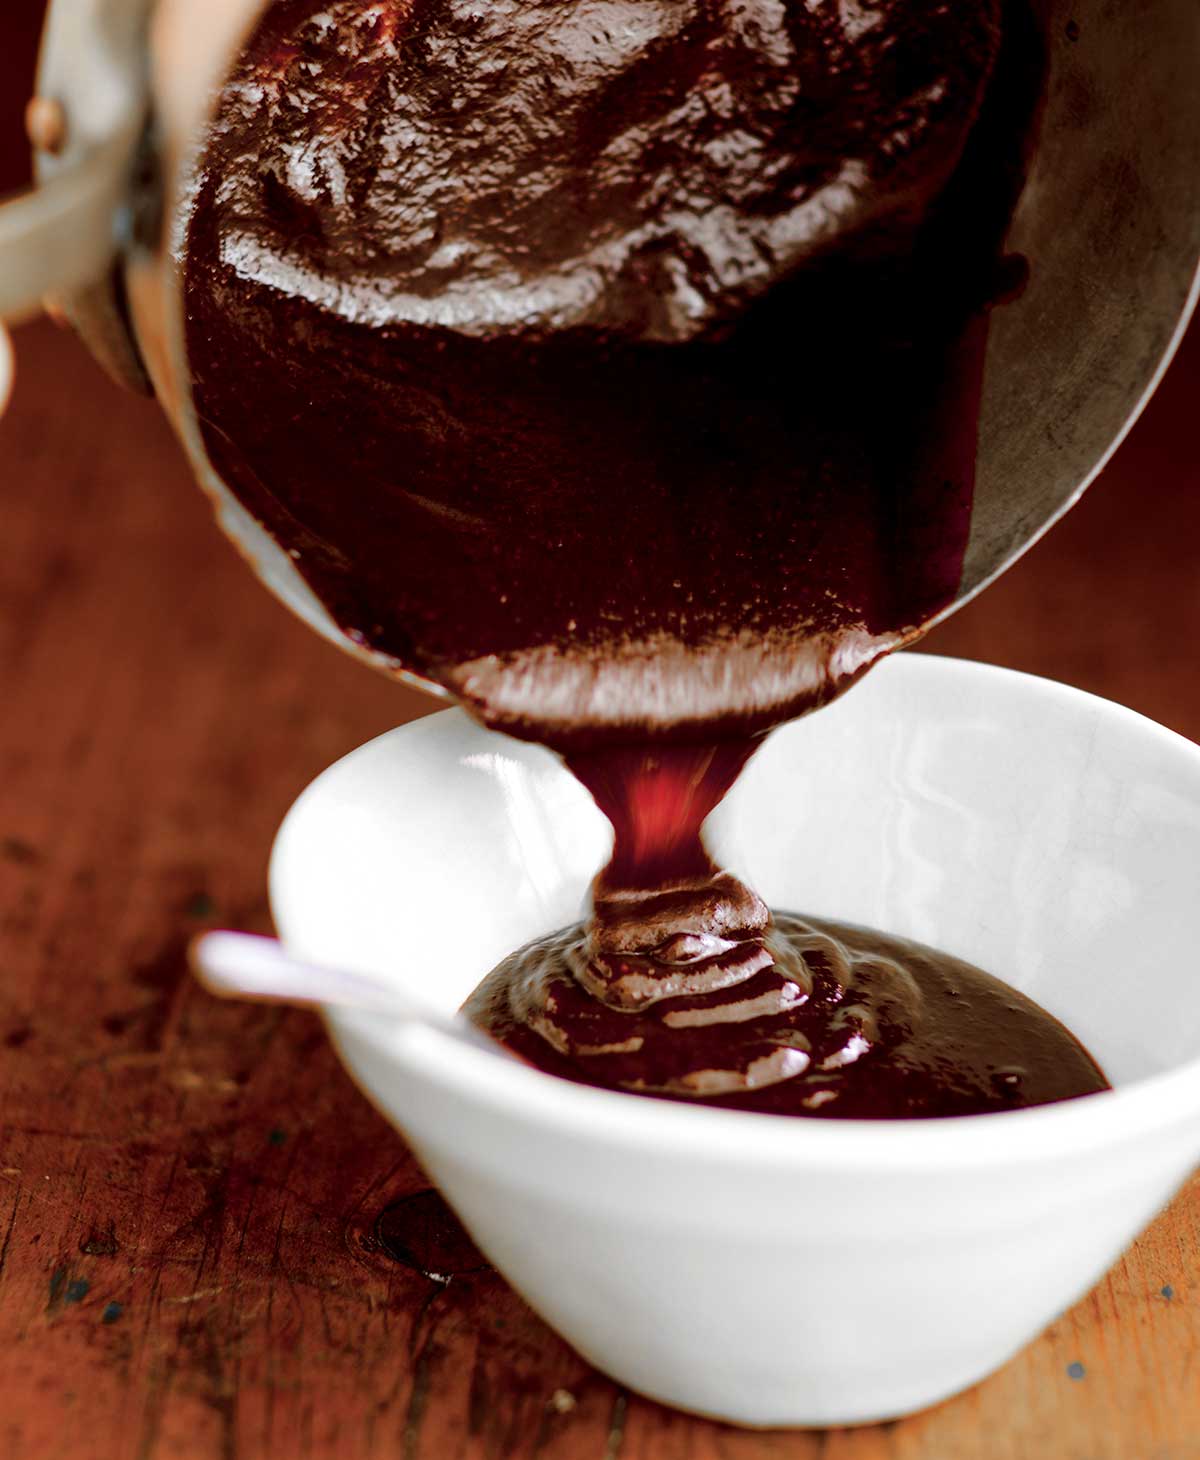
x=683, y=985
x=841, y=1022
x=616, y=365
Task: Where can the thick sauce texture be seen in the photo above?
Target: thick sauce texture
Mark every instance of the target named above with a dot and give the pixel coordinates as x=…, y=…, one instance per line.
x=840, y=1021
x=683, y=985
x=616, y=364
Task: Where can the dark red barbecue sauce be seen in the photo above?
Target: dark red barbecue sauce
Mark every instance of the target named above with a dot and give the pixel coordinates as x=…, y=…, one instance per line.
x=617, y=366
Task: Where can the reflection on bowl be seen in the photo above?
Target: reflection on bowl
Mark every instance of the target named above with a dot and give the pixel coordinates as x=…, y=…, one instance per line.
x=761, y=1269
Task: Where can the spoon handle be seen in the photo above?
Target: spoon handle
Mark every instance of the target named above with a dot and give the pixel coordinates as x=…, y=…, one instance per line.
x=246, y=966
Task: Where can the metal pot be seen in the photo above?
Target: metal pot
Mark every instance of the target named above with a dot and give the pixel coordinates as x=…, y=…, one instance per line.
x=1110, y=217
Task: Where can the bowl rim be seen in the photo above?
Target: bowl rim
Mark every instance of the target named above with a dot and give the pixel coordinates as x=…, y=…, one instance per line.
x=742, y=1138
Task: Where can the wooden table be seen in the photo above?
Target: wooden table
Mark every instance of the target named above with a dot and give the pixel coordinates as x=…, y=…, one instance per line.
x=209, y=1245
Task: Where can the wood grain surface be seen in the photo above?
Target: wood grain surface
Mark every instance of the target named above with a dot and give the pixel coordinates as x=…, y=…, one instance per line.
x=209, y=1246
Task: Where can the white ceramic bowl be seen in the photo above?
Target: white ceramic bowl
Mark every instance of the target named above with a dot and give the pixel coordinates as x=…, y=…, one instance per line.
x=763, y=1269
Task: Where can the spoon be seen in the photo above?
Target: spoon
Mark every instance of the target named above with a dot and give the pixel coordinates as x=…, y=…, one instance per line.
x=246, y=966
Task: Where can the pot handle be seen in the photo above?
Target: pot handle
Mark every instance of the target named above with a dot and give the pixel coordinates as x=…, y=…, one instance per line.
x=63, y=235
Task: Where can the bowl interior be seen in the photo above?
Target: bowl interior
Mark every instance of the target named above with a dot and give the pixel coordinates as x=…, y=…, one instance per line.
x=1048, y=836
